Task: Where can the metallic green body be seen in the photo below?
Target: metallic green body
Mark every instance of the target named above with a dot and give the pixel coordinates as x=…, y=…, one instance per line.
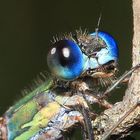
x=32, y=113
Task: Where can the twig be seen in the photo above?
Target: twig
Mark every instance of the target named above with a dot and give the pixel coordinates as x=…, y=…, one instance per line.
x=120, y=121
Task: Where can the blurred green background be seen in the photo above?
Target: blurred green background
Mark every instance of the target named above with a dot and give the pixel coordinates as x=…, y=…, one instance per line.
x=27, y=26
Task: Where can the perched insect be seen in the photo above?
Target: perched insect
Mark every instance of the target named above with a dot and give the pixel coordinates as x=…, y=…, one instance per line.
x=71, y=58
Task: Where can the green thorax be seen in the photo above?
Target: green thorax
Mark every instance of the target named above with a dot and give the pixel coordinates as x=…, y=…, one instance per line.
x=31, y=113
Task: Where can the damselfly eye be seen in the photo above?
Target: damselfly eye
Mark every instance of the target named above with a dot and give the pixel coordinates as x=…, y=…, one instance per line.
x=108, y=53
x=65, y=60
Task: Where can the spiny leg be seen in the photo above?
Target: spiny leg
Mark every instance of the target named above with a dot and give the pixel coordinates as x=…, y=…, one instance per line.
x=88, y=126
x=82, y=107
x=78, y=103
x=84, y=110
x=93, y=99
x=81, y=87
x=114, y=85
x=89, y=94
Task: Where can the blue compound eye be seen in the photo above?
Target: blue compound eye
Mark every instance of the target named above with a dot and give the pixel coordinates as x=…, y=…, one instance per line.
x=65, y=60
x=110, y=53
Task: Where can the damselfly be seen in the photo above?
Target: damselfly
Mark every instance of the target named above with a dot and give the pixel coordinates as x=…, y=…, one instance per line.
x=76, y=61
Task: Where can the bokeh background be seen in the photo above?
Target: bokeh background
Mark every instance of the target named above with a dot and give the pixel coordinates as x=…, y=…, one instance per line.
x=27, y=26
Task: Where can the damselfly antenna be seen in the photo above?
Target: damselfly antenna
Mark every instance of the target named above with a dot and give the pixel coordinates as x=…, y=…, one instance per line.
x=98, y=24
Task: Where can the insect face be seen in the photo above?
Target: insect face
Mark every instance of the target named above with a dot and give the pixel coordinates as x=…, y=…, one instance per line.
x=95, y=54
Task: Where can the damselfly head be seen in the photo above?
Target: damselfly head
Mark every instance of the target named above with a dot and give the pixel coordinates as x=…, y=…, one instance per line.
x=72, y=56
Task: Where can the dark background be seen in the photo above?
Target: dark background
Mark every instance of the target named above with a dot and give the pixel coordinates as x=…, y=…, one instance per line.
x=27, y=26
